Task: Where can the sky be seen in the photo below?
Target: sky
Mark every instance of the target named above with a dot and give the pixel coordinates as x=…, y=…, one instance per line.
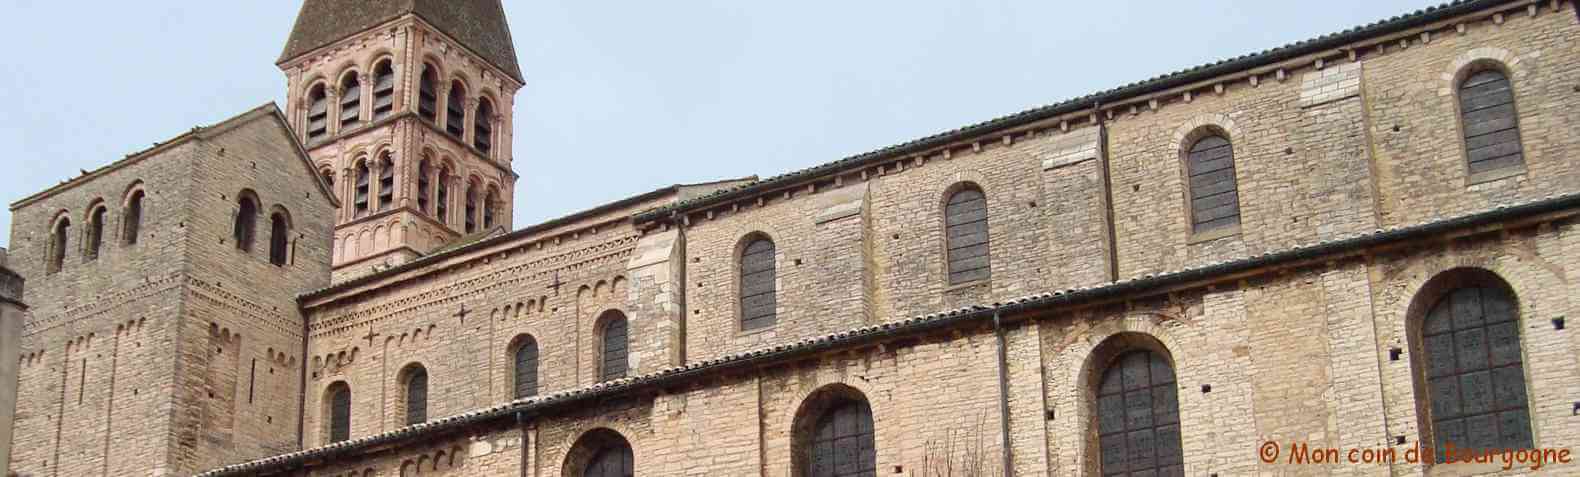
x=624, y=97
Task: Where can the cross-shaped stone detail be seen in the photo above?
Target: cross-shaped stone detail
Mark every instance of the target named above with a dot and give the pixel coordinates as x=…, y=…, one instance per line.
x=556, y=284
x=462, y=314
x=370, y=337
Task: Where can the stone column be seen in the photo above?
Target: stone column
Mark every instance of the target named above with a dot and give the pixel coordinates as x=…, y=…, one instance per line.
x=11, y=312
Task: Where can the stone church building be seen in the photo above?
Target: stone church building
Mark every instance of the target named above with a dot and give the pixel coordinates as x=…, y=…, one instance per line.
x=1363, y=241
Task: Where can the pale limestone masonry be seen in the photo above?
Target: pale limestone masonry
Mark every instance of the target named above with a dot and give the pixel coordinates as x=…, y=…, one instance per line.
x=1302, y=324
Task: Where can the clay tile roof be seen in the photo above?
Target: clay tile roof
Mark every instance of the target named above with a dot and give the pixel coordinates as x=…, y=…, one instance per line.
x=479, y=25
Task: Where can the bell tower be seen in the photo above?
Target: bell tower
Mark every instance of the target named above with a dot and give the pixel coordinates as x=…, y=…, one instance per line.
x=405, y=107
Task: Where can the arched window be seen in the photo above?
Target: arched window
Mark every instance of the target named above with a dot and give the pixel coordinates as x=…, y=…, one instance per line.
x=471, y=208
x=416, y=395
x=95, y=233
x=246, y=226
x=614, y=350
x=488, y=207
x=1487, y=116
x=1138, y=417
x=526, y=367
x=1475, y=378
x=966, y=236
x=482, y=131
x=57, y=245
x=455, y=120
x=386, y=182
x=361, y=199
x=1214, y=198
x=442, y=197
x=759, y=302
x=279, y=239
x=423, y=182
x=339, y=410
x=350, y=100
x=329, y=177
x=317, y=113
x=600, y=453
x=842, y=444
x=613, y=461
x=383, y=90
x=132, y=223
x=427, y=98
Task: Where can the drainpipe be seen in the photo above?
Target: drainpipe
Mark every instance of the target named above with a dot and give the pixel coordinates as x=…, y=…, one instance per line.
x=1003, y=396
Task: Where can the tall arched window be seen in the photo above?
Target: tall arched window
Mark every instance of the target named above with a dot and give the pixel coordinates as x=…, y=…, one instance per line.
x=1487, y=116
x=600, y=453
x=57, y=245
x=1138, y=417
x=471, y=208
x=489, y=203
x=416, y=394
x=361, y=199
x=842, y=444
x=317, y=113
x=383, y=90
x=246, y=226
x=423, y=183
x=759, y=302
x=132, y=223
x=279, y=238
x=95, y=238
x=455, y=106
x=1475, y=378
x=966, y=236
x=386, y=182
x=1214, y=195
x=442, y=197
x=482, y=131
x=526, y=367
x=427, y=96
x=350, y=100
x=613, y=364
x=338, y=404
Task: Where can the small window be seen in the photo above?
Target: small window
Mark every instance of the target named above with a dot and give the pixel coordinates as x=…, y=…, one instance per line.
x=427, y=99
x=416, y=395
x=966, y=236
x=57, y=245
x=1214, y=198
x=361, y=200
x=317, y=114
x=246, y=223
x=95, y=233
x=133, y=221
x=423, y=182
x=471, y=208
x=1138, y=417
x=350, y=100
x=759, y=302
x=339, y=412
x=386, y=182
x=1492, y=131
x=279, y=239
x=526, y=368
x=383, y=90
x=488, y=207
x=615, y=343
x=482, y=130
x=442, y=197
x=455, y=121
x=329, y=177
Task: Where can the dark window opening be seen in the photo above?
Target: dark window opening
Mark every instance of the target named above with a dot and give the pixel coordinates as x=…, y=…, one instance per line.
x=361, y=200
x=1492, y=132
x=615, y=460
x=133, y=221
x=386, y=182
x=482, y=131
x=423, y=182
x=442, y=197
x=57, y=245
x=966, y=236
x=1214, y=194
x=1138, y=417
x=95, y=233
x=527, y=368
x=339, y=412
x=383, y=90
x=350, y=101
x=1474, y=371
x=488, y=207
x=279, y=239
x=427, y=99
x=416, y=396
x=614, y=362
x=455, y=120
x=246, y=223
x=471, y=208
x=759, y=293
x=317, y=114
x=842, y=444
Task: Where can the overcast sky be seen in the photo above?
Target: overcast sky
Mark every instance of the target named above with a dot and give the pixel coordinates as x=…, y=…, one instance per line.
x=623, y=97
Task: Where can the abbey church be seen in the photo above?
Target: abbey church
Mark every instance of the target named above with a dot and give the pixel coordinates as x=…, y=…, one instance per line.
x=1362, y=241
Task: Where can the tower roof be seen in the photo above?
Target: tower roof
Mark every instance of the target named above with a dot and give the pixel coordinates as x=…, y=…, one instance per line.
x=478, y=24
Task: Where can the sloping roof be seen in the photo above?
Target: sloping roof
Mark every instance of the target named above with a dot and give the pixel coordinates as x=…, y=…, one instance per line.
x=975, y=315
x=1160, y=83
x=479, y=25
